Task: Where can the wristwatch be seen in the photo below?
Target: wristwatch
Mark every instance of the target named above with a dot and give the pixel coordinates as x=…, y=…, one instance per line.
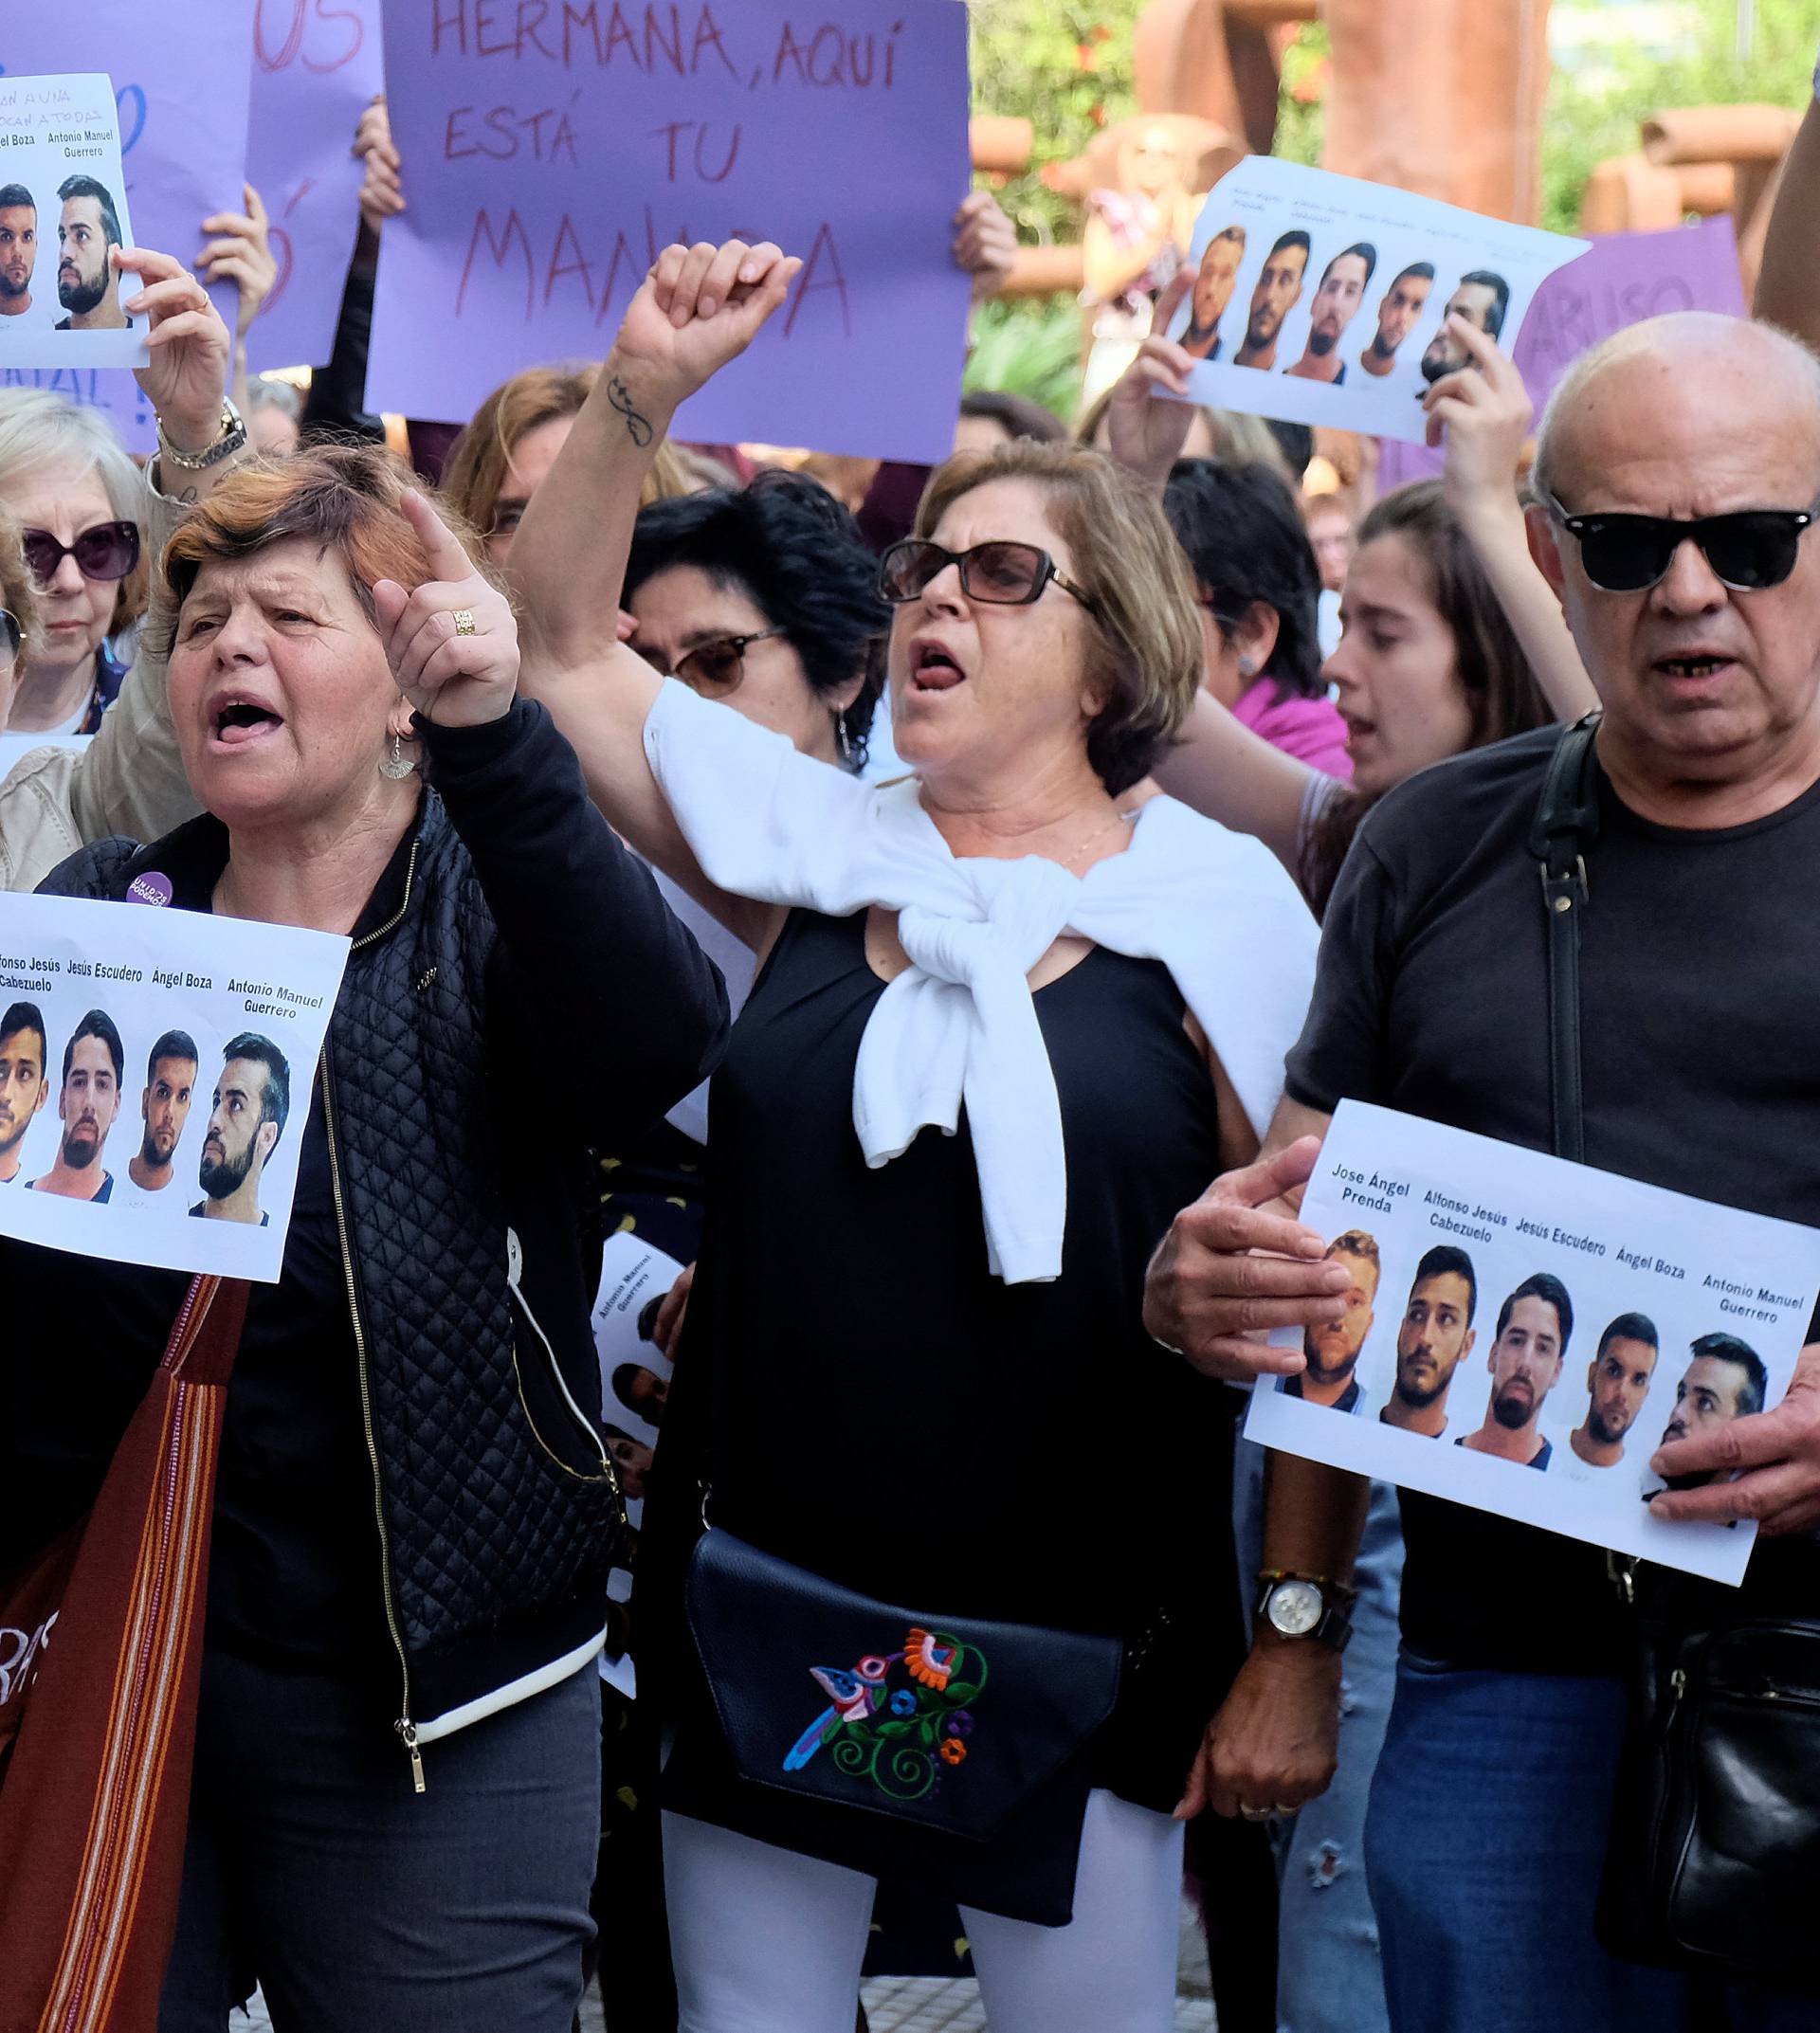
x=1306, y=1606
x=230, y=435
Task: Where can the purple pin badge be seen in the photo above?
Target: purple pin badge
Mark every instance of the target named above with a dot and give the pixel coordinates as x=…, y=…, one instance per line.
x=151, y=887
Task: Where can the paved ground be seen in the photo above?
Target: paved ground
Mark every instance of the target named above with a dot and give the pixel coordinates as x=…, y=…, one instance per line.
x=935, y=2005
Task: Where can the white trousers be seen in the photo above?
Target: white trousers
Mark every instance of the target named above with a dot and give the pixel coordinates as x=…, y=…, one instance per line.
x=766, y=1941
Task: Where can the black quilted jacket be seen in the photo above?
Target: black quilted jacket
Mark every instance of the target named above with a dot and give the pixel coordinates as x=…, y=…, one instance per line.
x=518, y=993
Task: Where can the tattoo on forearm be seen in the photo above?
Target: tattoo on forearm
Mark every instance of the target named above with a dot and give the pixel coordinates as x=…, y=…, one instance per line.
x=637, y=427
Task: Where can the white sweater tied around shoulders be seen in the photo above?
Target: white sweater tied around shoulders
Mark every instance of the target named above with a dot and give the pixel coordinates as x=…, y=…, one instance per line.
x=959, y=1024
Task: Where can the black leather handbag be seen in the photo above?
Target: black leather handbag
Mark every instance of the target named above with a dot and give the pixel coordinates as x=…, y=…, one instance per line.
x=1713, y=1859
x=955, y=1742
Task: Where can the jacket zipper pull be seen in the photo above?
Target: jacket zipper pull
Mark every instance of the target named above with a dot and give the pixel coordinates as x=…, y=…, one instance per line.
x=408, y=1736
x=1677, y=1687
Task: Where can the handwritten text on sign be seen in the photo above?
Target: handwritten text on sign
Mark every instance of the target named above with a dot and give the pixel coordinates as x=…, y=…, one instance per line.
x=551, y=149
x=315, y=65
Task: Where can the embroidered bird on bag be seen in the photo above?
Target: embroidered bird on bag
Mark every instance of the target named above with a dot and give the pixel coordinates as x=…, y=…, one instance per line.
x=855, y=1695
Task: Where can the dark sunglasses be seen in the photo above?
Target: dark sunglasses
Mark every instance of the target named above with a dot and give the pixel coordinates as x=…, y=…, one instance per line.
x=11, y=637
x=1749, y=550
x=999, y=575
x=714, y=668
x=109, y=551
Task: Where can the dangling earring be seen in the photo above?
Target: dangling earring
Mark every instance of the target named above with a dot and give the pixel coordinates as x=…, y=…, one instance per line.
x=396, y=766
x=847, y=746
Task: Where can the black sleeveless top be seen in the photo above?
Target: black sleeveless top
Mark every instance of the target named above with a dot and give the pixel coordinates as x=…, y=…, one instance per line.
x=867, y=1402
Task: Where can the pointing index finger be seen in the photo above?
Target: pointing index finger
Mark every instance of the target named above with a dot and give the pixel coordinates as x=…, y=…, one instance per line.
x=447, y=560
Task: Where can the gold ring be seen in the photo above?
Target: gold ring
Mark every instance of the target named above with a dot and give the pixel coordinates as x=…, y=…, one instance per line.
x=465, y=622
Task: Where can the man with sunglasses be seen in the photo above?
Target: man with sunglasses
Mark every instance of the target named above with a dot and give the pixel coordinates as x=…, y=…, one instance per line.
x=1674, y=480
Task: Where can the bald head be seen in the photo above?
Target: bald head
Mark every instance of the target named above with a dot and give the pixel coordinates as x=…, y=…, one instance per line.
x=1695, y=374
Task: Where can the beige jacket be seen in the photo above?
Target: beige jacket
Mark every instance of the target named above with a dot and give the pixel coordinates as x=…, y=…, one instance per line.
x=129, y=780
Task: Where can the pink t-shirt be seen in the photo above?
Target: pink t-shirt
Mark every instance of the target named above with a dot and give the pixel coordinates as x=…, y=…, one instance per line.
x=1310, y=729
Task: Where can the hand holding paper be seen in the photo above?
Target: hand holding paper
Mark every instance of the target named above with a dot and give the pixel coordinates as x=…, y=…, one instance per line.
x=1777, y=1452
x=1486, y=413
x=1147, y=431
x=985, y=243
x=699, y=308
x=1230, y=1269
x=453, y=644
x=185, y=377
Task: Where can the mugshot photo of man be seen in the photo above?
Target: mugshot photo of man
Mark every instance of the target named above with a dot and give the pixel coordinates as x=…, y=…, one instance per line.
x=642, y=1390
x=164, y=1108
x=1338, y=296
x=1436, y=1338
x=1399, y=311
x=251, y=1101
x=1332, y=1350
x=88, y=286
x=1275, y=294
x=1481, y=298
x=632, y=1459
x=88, y=1102
x=1212, y=292
x=23, y=1054
x=18, y=248
x=1725, y=1380
x=1527, y=1352
x=1617, y=1381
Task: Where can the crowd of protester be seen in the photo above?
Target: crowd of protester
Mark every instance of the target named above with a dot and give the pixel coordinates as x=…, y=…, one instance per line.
x=1021, y=845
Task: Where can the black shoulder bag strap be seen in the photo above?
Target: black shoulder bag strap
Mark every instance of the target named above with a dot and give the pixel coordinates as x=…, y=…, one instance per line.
x=1565, y=824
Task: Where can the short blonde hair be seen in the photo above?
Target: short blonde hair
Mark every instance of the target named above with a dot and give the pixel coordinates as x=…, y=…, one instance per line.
x=1147, y=654
x=40, y=429
x=474, y=474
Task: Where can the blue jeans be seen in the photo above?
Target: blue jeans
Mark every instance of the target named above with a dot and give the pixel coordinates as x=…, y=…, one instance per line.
x=358, y=1905
x=1328, y=1978
x=1484, y=1843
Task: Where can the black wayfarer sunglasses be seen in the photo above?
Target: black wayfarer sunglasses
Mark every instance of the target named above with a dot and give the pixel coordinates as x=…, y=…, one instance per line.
x=1749, y=550
x=999, y=573
x=109, y=551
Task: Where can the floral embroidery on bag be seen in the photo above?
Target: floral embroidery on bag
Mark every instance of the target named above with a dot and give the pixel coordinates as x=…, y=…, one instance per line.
x=899, y=1738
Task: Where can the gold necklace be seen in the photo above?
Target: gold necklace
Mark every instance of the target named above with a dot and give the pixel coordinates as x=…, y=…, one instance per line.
x=1098, y=832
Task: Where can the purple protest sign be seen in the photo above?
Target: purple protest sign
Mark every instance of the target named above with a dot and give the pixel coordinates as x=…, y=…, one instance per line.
x=182, y=74
x=315, y=65
x=1621, y=279
x=550, y=152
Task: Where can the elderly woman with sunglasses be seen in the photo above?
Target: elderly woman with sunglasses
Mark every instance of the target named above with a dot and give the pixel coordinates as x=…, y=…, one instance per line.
x=915, y=1390
x=90, y=524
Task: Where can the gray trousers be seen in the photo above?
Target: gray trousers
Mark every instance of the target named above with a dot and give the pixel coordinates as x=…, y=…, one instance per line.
x=314, y=1869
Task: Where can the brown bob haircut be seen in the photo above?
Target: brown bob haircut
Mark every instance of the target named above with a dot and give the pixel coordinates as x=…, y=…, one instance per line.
x=1145, y=654
x=342, y=497
x=475, y=473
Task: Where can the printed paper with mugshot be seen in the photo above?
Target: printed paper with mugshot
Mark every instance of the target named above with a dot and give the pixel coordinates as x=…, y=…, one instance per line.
x=1522, y=1334
x=63, y=214
x=155, y=1072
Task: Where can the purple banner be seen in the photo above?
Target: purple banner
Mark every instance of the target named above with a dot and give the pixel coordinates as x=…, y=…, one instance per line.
x=182, y=72
x=1623, y=279
x=550, y=152
x=315, y=65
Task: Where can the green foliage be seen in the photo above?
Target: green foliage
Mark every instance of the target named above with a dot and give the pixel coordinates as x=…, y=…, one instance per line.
x=1596, y=111
x=1030, y=348
x=1065, y=65
x=1299, y=115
